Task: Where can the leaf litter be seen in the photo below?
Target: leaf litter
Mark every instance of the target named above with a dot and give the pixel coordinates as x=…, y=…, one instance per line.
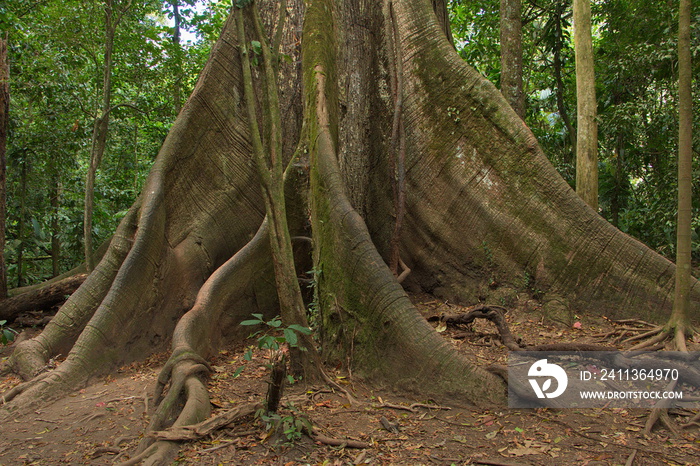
x=105, y=421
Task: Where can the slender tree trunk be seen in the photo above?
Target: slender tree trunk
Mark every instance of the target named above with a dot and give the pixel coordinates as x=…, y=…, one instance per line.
x=21, y=222
x=561, y=106
x=99, y=133
x=587, y=126
x=681, y=303
x=617, y=191
x=512, y=55
x=267, y=152
x=55, y=226
x=4, y=118
x=177, y=84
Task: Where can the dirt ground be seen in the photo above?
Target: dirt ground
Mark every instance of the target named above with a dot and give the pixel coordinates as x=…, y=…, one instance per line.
x=103, y=423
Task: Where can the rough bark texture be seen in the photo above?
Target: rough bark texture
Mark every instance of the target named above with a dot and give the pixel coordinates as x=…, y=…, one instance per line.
x=586, y=124
x=483, y=205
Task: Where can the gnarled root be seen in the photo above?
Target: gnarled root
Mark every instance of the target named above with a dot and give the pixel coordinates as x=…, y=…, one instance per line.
x=491, y=313
x=21, y=388
x=660, y=413
x=44, y=387
x=193, y=341
x=659, y=337
x=496, y=315
x=196, y=409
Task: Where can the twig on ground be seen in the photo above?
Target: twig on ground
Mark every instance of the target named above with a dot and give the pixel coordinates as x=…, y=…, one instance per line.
x=219, y=447
x=693, y=422
x=105, y=451
x=334, y=442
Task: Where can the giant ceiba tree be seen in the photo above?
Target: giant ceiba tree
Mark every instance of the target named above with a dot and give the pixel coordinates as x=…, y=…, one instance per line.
x=400, y=153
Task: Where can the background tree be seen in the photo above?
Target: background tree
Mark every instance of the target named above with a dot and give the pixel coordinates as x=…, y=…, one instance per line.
x=113, y=17
x=586, y=107
x=4, y=116
x=512, y=55
x=680, y=318
x=177, y=55
x=56, y=53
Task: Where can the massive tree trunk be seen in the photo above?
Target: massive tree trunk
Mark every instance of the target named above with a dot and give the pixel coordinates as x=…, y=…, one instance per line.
x=482, y=206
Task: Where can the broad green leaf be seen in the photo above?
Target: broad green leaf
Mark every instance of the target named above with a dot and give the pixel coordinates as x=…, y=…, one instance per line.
x=291, y=336
x=300, y=329
x=251, y=322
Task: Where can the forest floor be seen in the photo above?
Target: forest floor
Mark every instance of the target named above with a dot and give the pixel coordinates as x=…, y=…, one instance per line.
x=103, y=423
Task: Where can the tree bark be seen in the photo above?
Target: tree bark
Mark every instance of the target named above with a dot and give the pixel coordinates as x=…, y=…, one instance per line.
x=587, y=126
x=512, y=55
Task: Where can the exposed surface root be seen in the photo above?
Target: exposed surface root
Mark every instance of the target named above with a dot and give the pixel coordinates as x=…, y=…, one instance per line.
x=660, y=414
x=43, y=388
x=180, y=355
x=660, y=337
x=207, y=427
x=21, y=388
x=496, y=315
x=344, y=443
x=657, y=339
x=693, y=422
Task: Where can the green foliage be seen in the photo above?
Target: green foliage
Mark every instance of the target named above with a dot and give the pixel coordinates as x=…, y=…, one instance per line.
x=7, y=334
x=292, y=425
x=272, y=336
x=313, y=308
x=56, y=58
x=279, y=335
